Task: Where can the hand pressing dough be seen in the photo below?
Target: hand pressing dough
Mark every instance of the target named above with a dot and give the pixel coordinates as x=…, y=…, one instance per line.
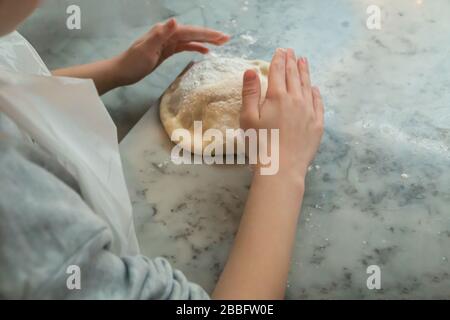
x=211, y=92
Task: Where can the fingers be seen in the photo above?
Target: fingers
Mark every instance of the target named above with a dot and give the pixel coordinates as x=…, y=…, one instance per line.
x=293, y=82
x=251, y=94
x=160, y=33
x=277, y=74
x=200, y=34
x=171, y=24
x=303, y=68
x=318, y=105
x=191, y=46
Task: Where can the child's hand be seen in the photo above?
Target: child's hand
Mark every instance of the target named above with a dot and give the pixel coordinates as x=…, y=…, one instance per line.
x=161, y=42
x=292, y=106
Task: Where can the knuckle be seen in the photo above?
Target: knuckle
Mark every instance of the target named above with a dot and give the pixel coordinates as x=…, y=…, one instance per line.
x=249, y=91
x=158, y=30
x=268, y=98
x=278, y=97
x=291, y=100
x=274, y=94
x=277, y=65
x=291, y=70
x=297, y=99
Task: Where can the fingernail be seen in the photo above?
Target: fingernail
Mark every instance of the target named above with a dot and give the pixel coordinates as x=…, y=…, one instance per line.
x=249, y=75
x=290, y=53
x=171, y=23
x=223, y=37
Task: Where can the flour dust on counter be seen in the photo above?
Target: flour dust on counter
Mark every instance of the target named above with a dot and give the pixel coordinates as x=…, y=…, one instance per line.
x=377, y=193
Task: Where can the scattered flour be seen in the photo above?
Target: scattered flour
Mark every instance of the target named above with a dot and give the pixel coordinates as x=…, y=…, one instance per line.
x=248, y=38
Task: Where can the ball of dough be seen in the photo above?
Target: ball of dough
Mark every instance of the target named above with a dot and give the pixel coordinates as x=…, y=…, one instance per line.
x=210, y=92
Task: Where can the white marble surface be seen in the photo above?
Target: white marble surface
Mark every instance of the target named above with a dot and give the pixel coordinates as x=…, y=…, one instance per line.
x=379, y=191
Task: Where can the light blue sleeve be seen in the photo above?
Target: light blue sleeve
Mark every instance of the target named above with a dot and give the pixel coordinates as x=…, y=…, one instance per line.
x=45, y=227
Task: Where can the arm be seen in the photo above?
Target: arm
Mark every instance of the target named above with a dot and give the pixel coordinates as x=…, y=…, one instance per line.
x=103, y=73
x=258, y=265
x=259, y=262
x=145, y=55
x=47, y=227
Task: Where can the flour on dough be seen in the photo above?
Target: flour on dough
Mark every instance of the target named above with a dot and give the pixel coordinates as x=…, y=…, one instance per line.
x=211, y=92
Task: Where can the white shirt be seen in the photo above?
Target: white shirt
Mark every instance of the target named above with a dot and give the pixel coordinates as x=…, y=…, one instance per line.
x=66, y=118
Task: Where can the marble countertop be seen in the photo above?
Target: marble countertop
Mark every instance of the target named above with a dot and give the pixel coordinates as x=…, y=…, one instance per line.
x=379, y=190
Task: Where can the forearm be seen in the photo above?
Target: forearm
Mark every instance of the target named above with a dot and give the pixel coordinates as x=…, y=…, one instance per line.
x=259, y=262
x=103, y=73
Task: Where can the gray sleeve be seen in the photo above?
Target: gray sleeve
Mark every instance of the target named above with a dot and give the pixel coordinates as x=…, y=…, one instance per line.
x=45, y=227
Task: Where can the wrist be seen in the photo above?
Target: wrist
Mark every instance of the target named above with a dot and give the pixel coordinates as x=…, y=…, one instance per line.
x=117, y=71
x=289, y=179
x=292, y=173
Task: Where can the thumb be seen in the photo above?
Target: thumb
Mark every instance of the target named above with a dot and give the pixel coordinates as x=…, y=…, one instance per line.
x=251, y=95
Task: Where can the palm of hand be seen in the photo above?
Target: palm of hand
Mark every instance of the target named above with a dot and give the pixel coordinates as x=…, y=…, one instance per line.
x=160, y=43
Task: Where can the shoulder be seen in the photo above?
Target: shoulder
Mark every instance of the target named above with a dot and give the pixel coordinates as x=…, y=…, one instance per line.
x=17, y=54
